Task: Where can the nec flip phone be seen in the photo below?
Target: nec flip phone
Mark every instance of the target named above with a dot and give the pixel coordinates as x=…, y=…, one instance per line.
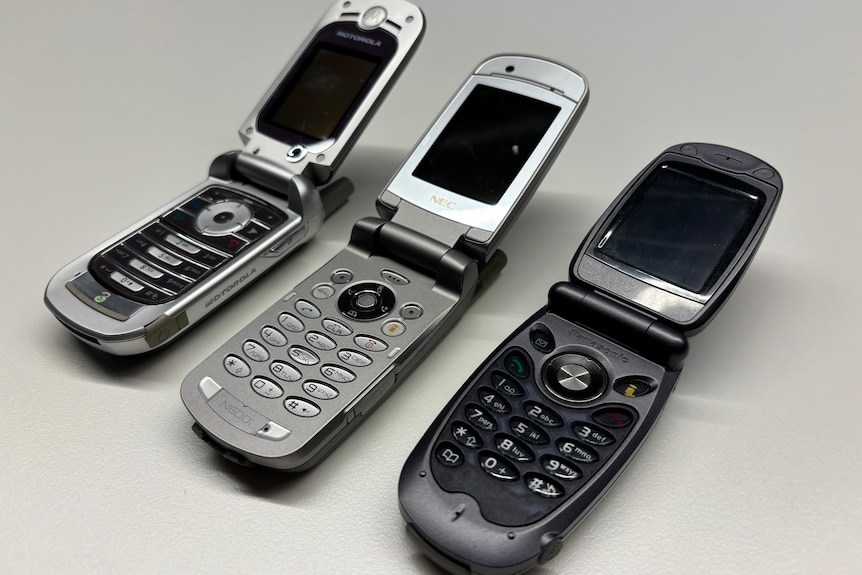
x=148, y=284
x=292, y=384
x=547, y=423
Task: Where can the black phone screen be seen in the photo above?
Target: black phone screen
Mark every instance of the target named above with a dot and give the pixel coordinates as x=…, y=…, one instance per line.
x=322, y=92
x=682, y=228
x=486, y=143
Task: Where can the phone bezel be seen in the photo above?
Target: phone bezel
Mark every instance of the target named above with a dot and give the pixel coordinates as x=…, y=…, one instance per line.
x=687, y=310
x=464, y=210
x=328, y=38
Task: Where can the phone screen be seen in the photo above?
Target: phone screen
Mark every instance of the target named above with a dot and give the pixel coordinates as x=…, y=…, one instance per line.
x=486, y=143
x=323, y=92
x=681, y=228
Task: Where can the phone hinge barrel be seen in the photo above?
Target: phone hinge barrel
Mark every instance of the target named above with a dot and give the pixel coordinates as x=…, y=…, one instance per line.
x=448, y=232
x=452, y=269
x=628, y=327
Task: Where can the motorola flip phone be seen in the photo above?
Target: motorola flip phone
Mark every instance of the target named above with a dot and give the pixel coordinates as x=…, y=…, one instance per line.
x=151, y=282
x=287, y=388
x=545, y=425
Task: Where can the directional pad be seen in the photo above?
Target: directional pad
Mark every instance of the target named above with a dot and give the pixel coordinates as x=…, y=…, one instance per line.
x=574, y=378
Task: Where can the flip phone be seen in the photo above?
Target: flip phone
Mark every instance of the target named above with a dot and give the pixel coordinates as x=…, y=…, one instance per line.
x=150, y=283
x=545, y=425
x=287, y=388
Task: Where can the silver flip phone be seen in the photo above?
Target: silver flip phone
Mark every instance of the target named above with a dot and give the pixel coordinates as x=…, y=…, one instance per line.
x=551, y=418
x=151, y=282
x=292, y=384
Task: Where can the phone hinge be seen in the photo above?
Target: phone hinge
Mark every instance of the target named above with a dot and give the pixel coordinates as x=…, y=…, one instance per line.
x=469, y=240
x=625, y=325
x=262, y=171
x=452, y=269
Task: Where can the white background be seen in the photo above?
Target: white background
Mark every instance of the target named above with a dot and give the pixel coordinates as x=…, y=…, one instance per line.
x=109, y=108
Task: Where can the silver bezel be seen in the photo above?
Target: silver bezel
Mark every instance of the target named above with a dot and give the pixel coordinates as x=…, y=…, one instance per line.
x=404, y=21
x=456, y=207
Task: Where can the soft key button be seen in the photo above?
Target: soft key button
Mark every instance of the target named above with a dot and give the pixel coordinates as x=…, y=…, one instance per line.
x=336, y=328
x=394, y=277
x=266, y=388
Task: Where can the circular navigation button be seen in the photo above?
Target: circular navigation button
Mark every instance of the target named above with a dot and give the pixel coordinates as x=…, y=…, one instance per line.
x=223, y=218
x=366, y=301
x=574, y=378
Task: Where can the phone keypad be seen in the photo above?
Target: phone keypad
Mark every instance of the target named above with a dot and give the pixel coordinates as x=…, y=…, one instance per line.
x=507, y=430
x=185, y=245
x=305, y=355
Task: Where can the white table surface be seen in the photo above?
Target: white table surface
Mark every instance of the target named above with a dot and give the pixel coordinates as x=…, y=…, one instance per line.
x=108, y=109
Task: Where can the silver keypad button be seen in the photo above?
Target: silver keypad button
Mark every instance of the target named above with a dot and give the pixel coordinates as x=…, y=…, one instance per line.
x=336, y=373
x=319, y=341
x=354, y=358
x=307, y=309
x=266, y=388
x=236, y=366
x=302, y=355
x=301, y=407
x=370, y=343
x=272, y=336
x=319, y=390
x=290, y=322
x=255, y=351
x=336, y=328
x=284, y=371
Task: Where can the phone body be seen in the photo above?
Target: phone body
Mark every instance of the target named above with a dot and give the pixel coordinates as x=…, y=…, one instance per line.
x=287, y=388
x=546, y=424
x=150, y=283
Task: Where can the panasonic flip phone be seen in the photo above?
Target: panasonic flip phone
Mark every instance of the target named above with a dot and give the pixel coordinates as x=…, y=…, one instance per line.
x=292, y=384
x=151, y=282
x=546, y=424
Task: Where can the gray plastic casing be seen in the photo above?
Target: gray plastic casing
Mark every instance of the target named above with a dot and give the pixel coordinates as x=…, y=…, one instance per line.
x=629, y=336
